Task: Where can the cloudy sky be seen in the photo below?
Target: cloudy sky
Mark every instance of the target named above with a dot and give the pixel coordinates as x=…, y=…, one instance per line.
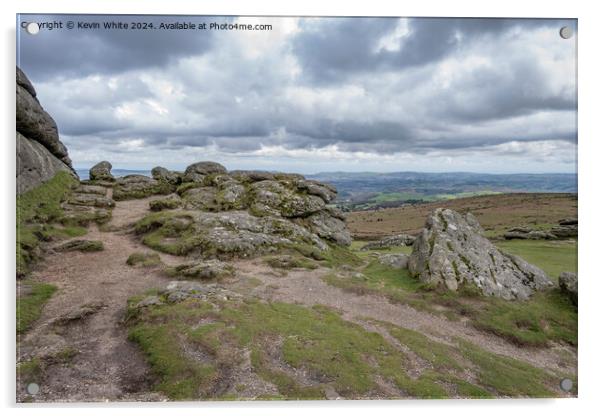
x=312, y=94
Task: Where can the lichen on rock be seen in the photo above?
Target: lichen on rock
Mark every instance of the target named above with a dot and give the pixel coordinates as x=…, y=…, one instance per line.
x=452, y=251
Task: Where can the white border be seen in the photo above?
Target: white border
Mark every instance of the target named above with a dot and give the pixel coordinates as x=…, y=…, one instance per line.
x=589, y=189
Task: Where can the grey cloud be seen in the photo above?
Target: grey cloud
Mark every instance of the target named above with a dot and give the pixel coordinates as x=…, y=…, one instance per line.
x=239, y=103
x=332, y=49
x=80, y=52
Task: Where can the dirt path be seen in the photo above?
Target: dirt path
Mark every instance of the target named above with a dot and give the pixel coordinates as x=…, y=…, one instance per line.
x=106, y=366
x=307, y=288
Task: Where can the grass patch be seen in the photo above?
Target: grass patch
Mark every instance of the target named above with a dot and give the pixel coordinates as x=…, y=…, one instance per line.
x=85, y=246
x=285, y=338
x=37, y=209
x=553, y=257
x=509, y=377
x=546, y=316
x=29, y=306
x=181, y=378
x=170, y=202
x=316, y=340
x=143, y=259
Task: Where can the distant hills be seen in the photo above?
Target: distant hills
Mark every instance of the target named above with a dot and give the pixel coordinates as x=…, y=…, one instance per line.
x=365, y=190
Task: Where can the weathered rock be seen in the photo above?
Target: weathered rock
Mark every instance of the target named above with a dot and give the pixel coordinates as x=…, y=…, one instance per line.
x=247, y=176
x=203, y=198
x=178, y=291
x=328, y=227
x=91, y=200
x=81, y=245
x=259, y=213
x=565, y=231
x=394, y=260
x=40, y=153
x=35, y=164
x=139, y=186
x=399, y=240
x=516, y=234
x=35, y=123
x=151, y=300
x=224, y=234
x=327, y=192
x=568, y=285
x=169, y=202
x=451, y=251
x=91, y=189
x=102, y=172
x=80, y=313
x=161, y=174
x=231, y=195
x=197, y=171
x=204, y=270
x=84, y=215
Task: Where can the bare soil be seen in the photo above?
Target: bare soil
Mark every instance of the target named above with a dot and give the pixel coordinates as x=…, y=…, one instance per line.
x=106, y=366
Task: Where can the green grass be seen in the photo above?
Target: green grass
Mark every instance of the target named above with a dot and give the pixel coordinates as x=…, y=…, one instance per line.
x=331, y=351
x=181, y=378
x=143, y=259
x=553, y=257
x=29, y=307
x=335, y=352
x=547, y=316
x=509, y=377
x=37, y=209
x=383, y=197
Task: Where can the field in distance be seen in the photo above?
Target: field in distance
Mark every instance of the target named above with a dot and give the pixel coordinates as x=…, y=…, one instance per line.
x=496, y=213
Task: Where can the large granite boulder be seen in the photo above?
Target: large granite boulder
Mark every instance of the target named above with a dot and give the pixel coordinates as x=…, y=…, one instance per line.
x=35, y=164
x=102, y=172
x=198, y=171
x=451, y=251
x=40, y=153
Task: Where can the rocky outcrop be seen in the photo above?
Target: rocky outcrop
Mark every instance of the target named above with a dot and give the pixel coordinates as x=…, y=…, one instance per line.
x=451, y=251
x=139, y=186
x=399, y=240
x=240, y=214
x=86, y=204
x=566, y=228
x=40, y=153
x=567, y=282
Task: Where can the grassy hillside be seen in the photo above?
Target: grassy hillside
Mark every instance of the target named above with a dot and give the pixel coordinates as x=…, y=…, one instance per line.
x=496, y=213
x=38, y=214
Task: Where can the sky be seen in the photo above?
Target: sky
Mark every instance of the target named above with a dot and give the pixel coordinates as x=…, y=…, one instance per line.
x=312, y=94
